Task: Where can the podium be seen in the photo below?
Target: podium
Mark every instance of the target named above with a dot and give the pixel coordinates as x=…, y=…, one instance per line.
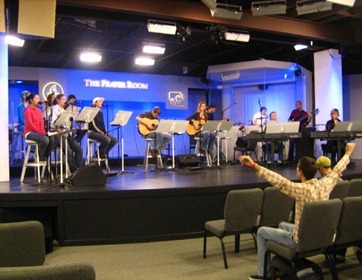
x=120, y=120
x=173, y=127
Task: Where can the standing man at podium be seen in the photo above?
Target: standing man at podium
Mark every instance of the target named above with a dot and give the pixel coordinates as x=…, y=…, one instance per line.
x=97, y=130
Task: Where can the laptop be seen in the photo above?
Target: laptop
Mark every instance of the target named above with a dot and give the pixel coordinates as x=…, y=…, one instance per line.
x=273, y=127
x=291, y=127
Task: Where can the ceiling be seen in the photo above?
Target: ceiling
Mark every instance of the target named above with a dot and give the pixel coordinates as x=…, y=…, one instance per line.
x=118, y=29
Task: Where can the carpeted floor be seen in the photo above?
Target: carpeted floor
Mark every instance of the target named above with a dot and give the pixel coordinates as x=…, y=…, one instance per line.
x=180, y=259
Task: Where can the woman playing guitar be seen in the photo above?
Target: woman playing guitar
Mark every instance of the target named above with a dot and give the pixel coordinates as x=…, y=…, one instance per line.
x=196, y=122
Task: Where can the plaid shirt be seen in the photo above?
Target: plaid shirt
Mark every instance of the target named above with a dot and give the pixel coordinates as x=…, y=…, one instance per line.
x=303, y=193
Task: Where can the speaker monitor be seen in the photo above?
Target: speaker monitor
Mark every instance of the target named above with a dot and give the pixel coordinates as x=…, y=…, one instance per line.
x=187, y=160
x=88, y=175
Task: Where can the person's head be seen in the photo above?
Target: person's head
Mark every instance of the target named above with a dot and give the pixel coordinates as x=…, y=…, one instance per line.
x=33, y=99
x=324, y=165
x=156, y=112
x=71, y=99
x=60, y=100
x=201, y=107
x=306, y=167
x=98, y=102
x=263, y=110
x=23, y=95
x=334, y=114
x=298, y=104
x=50, y=99
x=273, y=116
x=212, y=108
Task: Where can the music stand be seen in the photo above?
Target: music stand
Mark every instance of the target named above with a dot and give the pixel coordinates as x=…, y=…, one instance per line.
x=87, y=114
x=120, y=120
x=65, y=119
x=223, y=126
x=73, y=108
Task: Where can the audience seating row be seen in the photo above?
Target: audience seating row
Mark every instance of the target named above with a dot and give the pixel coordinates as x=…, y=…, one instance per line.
x=22, y=256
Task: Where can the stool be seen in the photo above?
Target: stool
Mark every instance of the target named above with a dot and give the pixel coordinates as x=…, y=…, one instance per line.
x=148, y=155
x=36, y=164
x=197, y=151
x=93, y=147
x=17, y=145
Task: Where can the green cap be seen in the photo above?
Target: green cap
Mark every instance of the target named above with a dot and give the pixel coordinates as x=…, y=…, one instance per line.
x=323, y=162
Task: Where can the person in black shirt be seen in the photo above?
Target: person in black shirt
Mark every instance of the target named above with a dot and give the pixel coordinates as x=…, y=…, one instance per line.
x=211, y=109
x=97, y=130
x=332, y=145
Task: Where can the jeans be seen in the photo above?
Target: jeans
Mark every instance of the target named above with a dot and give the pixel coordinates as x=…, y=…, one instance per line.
x=278, y=146
x=107, y=142
x=77, y=150
x=283, y=235
x=161, y=139
x=42, y=141
x=208, y=140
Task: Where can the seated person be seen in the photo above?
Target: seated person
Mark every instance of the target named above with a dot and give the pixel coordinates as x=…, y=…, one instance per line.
x=332, y=145
x=97, y=130
x=148, y=121
x=34, y=126
x=198, y=119
x=279, y=147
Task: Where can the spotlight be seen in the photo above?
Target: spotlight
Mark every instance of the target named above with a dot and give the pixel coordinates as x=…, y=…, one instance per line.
x=154, y=48
x=311, y=6
x=161, y=27
x=90, y=57
x=239, y=37
x=348, y=3
x=299, y=47
x=264, y=8
x=14, y=41
x=144, y=61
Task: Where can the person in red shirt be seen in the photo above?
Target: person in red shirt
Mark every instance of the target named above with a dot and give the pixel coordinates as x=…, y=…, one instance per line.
x=34, y=125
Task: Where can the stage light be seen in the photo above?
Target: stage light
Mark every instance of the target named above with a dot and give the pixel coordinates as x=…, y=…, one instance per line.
x=161, y=27
x=311, y=6
x=348, y=3
x=299, y=47
x=264, y=8
x=230, y=76
x=144, y=61
x=90, y=57
x=239, y=37
x=227, y=11
x=154, y=48
x=211, y=4
x=14, y=41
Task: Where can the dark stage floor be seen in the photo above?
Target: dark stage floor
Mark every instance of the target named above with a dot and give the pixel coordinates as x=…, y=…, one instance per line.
x=136, y=206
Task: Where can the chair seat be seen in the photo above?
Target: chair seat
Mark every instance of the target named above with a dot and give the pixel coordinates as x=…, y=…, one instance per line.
x=282, y=250
x=217, y=227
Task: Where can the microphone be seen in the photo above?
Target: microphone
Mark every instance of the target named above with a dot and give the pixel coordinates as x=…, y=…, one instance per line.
x=41, y=102
x=71, y=119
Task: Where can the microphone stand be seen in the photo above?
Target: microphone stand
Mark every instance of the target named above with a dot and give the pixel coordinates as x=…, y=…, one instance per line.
x=227, y=108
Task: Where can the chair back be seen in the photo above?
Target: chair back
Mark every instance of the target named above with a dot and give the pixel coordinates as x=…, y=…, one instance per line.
x=252, y=144
x=276, y=207
x=242, y=208
x=318, y=225
x=356, y=187
x=350, y=222
x=22, y=244
x=341, y=190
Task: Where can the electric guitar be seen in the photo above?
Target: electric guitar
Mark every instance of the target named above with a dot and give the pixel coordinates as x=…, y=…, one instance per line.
x=314, y=112
x=194, y=128
x=143, y=129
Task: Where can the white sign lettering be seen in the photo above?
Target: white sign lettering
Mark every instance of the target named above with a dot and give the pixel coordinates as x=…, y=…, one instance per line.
x=114, y=84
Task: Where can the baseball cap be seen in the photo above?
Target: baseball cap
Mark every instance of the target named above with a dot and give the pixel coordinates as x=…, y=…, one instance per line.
x=323, y=162
x=96, y=99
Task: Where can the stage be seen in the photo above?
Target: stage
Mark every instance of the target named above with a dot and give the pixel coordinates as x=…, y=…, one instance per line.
x=136, y=206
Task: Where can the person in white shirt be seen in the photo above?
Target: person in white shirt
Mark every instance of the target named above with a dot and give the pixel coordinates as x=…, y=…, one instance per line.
x=260, y=118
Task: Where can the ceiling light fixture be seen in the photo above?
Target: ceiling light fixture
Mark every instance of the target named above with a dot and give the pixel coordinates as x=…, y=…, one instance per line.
x=211, y=4
x=154, y=49
x=227, y=11
x=264, y=8
x=90, y=57
x=14, y=41
x=348, y=3
x=311, y=6
x=161, y=27
x=144, y=61
x=230, y=76
x=299, y=47
x=239, y=37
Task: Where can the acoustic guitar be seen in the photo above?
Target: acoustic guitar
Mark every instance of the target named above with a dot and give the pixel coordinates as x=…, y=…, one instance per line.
x=194, y=128
x=143, y=129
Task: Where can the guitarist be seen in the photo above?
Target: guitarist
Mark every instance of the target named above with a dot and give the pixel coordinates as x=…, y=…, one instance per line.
x=162, y=139
x=207, y=137
x=304, y=118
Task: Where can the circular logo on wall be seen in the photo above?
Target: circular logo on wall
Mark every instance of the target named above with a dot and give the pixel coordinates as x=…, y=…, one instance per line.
x=51, y=87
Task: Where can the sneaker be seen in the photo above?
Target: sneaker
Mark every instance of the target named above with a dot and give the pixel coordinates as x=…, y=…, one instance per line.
x=252, y=277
